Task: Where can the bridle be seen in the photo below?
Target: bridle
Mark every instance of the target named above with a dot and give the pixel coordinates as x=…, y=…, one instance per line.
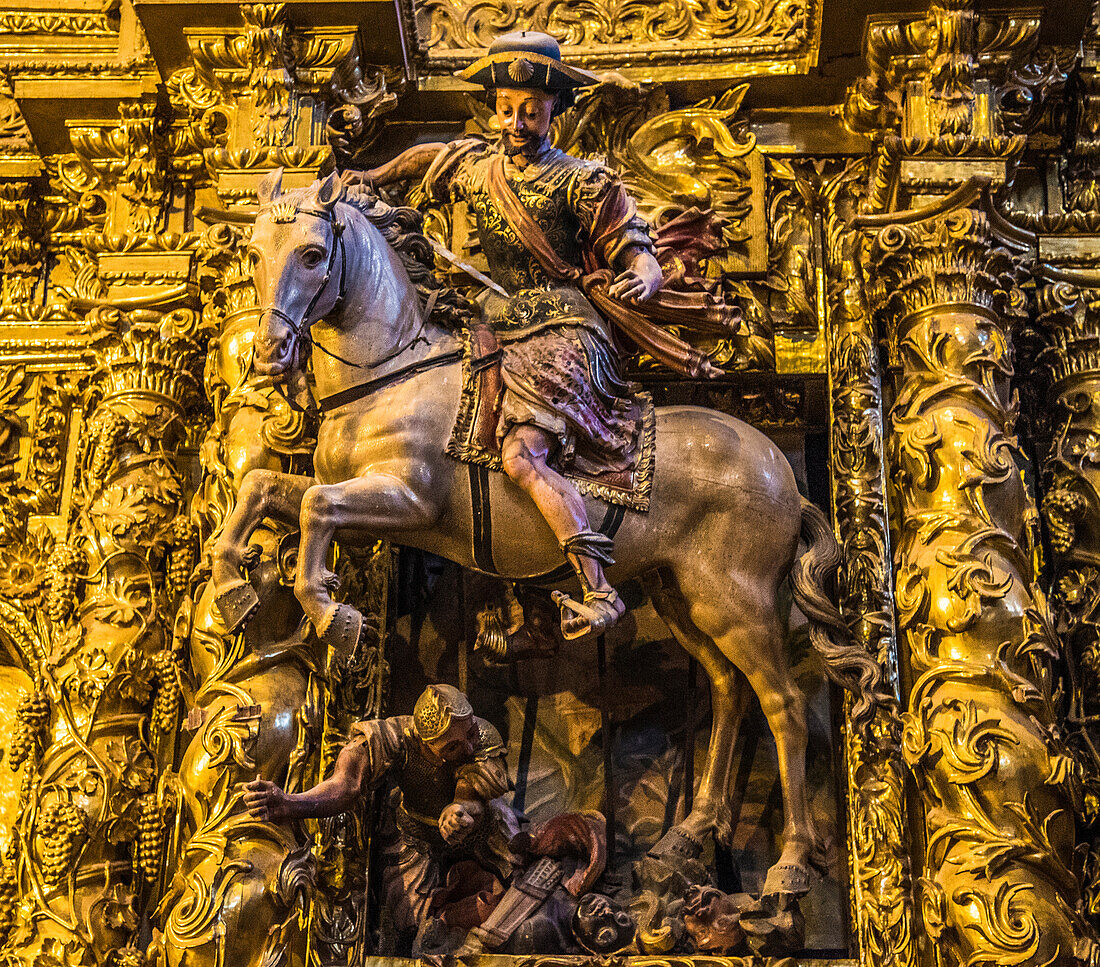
x=285, y=212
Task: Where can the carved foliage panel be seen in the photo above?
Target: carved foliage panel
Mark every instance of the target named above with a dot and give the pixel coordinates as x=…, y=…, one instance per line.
x=780, y=35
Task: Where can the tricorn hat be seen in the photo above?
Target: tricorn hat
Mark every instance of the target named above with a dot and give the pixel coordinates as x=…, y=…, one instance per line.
x=526, y=58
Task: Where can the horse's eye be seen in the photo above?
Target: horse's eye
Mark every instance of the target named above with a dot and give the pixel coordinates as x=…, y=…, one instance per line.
x=311, y=258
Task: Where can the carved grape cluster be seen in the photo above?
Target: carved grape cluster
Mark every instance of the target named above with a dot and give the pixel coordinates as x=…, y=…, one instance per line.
x=32, y=717
x=166, y=704
x=60, y=826
x=110, y=427
x=150, y=841
x=181, y=561
x=62, y=581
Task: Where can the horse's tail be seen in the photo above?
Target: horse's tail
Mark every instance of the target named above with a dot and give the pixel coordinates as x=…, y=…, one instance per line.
x=846, y=663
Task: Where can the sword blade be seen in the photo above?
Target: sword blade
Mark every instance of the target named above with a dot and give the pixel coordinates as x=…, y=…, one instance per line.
x=450, y=256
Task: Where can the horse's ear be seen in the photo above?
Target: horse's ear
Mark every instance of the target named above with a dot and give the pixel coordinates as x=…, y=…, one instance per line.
x=271, y=187
x=329, y=191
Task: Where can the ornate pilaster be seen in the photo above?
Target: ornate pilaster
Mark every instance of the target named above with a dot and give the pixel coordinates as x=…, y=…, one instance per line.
x=882, y=886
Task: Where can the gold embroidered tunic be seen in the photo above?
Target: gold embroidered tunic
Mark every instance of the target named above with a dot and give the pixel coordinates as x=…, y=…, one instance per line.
x=560, y=368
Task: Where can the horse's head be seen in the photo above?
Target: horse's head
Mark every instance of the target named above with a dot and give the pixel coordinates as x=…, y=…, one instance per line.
x=299, y=267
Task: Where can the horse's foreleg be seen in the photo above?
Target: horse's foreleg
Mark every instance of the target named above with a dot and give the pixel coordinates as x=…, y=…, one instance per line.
x=263, y=493
x=377, y=504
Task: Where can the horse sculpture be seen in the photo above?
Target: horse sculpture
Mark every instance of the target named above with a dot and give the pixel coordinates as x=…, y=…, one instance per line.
x=720, y=537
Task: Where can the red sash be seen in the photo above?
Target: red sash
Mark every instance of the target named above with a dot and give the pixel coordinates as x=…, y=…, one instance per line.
x=638, y=321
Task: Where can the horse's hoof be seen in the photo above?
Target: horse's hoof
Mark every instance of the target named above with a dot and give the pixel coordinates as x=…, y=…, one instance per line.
x=788, y=879
x=677, y=845
x=236, y=604
x=796, y=879
x=341, y=629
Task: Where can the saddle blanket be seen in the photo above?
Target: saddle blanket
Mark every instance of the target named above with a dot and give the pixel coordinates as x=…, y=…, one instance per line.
x=474, y=437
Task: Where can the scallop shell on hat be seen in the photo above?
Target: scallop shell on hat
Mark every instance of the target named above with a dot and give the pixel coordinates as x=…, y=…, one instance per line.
x=521, y=70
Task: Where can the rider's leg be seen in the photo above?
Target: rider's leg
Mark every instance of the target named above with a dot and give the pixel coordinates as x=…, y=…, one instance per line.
x=525, y=451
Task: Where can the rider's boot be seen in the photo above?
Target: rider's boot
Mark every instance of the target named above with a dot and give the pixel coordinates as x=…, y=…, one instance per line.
x=588, y=551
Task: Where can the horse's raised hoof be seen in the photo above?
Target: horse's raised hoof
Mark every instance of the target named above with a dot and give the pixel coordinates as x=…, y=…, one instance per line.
x=340, y=629
x=236, y=604
x=677, y=845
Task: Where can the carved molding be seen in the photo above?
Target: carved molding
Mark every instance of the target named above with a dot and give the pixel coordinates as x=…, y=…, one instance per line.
x=882, y=895
x=684, y=36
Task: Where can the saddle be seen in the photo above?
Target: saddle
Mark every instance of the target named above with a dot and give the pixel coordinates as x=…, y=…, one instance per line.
x=474, y=437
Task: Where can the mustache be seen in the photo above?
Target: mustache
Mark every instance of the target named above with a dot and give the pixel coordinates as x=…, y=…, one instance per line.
x=520, y=143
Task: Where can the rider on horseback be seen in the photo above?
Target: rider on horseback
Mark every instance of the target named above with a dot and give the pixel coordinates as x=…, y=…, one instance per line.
x=551, y=226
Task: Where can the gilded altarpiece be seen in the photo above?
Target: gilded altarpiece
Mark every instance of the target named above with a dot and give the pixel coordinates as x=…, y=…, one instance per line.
x=917, y=269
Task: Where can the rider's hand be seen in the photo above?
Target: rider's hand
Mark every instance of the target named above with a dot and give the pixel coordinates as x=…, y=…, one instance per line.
x=455, y=823
x=352, y=178
x=266, y=801
x=640, y=281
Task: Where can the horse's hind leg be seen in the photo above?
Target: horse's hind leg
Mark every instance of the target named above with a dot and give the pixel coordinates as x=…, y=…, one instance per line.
x=729, y=696
x=263, y=493
x=746, y=627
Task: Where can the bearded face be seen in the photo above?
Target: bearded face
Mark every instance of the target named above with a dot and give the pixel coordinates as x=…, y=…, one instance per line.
x=524, y=116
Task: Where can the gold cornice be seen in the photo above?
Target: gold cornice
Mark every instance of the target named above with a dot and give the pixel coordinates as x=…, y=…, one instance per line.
x=690, y=40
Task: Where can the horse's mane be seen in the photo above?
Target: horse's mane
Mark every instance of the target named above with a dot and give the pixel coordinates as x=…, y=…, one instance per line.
x=401, y=227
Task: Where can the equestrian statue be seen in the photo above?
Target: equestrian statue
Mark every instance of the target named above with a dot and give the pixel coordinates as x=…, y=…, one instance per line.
x=504, y=437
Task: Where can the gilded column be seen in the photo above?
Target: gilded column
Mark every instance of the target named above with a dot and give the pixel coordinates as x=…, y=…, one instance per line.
x=995, y=785
x=99, y=724
x=1066, y=385
x=268, y=699
x=980, y=731
x=1069, y=318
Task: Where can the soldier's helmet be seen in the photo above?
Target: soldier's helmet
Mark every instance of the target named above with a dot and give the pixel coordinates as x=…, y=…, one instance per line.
x=437, y=707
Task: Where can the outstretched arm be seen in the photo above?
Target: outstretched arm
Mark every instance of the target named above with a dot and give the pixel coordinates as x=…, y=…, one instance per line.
x=266, y=801
x=411, y=164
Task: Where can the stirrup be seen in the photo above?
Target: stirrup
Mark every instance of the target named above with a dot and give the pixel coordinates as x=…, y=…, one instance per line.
x=598, y=621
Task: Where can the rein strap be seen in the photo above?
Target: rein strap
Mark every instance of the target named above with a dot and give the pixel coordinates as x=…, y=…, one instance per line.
x=354, y=393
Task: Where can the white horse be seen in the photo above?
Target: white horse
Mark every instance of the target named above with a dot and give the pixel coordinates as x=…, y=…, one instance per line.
x=720, y=537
